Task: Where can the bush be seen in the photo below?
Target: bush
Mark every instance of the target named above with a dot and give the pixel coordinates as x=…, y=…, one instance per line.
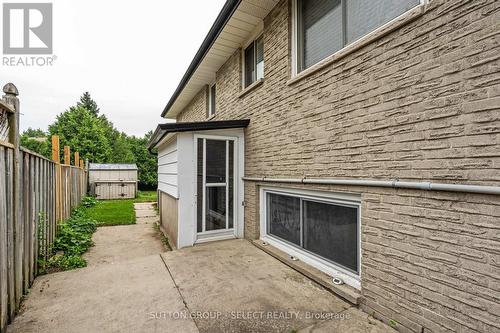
x=67, y=262
x=73, y=239
x=75, y=235
x=89, y=201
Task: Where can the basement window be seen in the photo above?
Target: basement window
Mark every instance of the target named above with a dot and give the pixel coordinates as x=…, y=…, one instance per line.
x=323, y=229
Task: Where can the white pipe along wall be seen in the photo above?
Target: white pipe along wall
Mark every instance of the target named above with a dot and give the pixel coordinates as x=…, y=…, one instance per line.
x=427, y=186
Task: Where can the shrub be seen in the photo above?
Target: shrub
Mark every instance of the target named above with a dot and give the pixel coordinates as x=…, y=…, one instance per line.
x=73, y=239
x=75, y=235
x=66, y=262
x=89, y=201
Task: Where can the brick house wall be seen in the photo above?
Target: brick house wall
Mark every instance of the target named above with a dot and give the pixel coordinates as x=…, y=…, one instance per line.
x=419, y=104
x=197, y=108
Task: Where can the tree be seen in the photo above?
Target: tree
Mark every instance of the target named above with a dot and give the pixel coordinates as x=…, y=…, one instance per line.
x=122, y=151
x=146, y=162
x=83, y=132
x=35, y=133
x=88, y=103
x=37, y=141
x=92, y=134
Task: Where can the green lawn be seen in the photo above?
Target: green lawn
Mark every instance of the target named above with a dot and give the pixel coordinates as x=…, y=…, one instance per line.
x=118, y=212
x=113, y=212
x=146, y=196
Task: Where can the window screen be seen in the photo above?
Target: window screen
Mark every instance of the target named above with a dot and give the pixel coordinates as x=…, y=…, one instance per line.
x=215, y=161
x=254, y=61
x=259, y=58
x=249, y=65
x=212, y=100
x=365, y=16
x=331, y=231
x=283, y=217
x=320, y=30
x=215, y=217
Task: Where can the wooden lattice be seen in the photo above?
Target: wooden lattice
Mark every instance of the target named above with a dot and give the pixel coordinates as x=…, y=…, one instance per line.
x=4, y=126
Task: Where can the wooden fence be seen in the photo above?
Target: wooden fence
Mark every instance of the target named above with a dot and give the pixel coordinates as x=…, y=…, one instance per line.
x=36, y=194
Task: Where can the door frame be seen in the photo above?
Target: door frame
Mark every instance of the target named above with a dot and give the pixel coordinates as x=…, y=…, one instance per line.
x=237, y=230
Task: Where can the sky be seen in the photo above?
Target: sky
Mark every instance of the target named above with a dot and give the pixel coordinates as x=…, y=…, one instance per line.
x=130, y=56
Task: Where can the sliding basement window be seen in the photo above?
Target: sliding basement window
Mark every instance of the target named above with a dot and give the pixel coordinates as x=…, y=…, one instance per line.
x=326, y=228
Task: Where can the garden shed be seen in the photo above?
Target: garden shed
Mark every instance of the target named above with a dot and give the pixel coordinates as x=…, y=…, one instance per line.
x=113, y=181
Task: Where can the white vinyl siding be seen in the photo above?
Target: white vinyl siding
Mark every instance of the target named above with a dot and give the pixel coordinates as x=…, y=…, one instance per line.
x=168, y=168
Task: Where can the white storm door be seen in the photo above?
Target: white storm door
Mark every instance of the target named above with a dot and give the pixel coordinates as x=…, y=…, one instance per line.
x=216, y=191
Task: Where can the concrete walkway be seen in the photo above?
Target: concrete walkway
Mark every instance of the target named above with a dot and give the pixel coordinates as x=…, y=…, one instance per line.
x=132, y=284
x=120, y=290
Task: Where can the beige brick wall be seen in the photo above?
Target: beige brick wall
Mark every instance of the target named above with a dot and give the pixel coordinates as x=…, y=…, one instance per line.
x=419, y=104
x=197, y=108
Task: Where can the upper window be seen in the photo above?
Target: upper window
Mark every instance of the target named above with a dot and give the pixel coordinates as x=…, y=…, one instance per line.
x=254, y=62
x=326, y=26
x=211, y=100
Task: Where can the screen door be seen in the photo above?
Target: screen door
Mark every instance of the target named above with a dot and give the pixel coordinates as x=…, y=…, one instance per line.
x=215, y=185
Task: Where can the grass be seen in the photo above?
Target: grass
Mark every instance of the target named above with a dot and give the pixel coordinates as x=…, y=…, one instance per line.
x=163, y=238
x=113, y=212
x=146, y=196
x=119, y=212
x=75, y=235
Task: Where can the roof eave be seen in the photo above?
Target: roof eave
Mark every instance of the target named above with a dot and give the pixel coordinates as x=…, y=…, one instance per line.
x=163, y=129
x=225, y=14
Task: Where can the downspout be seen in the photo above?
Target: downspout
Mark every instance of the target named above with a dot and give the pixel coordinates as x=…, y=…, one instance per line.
x=427, y=186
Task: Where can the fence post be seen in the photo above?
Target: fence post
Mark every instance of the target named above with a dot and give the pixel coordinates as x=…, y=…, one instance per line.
x=67, y=155
x=11, y=98
x=55, y=149
x=77, y=159
x=56, y=157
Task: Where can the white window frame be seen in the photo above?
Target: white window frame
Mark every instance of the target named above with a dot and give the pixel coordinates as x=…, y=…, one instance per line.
x=350, y=278
x=295, y=35
x=256, y=34
x=211, y=112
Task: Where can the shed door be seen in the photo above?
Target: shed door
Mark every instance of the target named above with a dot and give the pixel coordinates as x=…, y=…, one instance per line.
x=102, y=191
x=106, y=191
x=127, y=191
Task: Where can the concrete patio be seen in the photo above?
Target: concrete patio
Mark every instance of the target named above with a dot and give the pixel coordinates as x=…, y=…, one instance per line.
x=131, y=284
x=250, y=291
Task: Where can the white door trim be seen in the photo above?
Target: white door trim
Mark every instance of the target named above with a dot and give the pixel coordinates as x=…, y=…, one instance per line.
x=236, y=231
